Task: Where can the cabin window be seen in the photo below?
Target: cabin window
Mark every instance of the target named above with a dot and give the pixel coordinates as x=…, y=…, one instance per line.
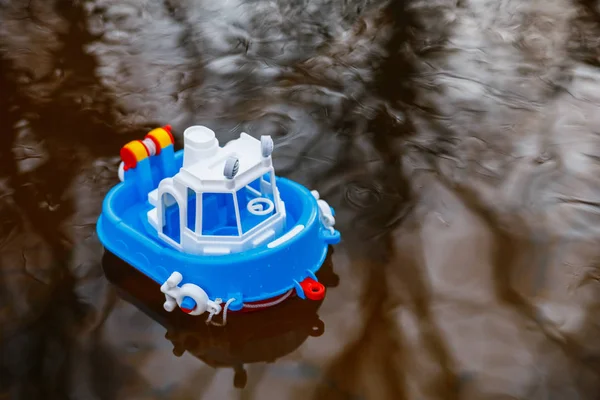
x=257, y=196
x=191, y=209
x=218, y=215
x=171, y=214
x=262, y=184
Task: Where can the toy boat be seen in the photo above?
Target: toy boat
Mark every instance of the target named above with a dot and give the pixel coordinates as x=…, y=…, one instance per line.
x=214, y=226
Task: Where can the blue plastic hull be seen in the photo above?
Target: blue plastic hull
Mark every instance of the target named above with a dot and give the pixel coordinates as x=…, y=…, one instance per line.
x=255, y=275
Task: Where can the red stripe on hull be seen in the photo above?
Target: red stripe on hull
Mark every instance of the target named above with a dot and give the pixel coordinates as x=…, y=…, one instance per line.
x=272, y=299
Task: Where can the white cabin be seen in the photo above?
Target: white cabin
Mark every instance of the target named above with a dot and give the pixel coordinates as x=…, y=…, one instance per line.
x=223, y=200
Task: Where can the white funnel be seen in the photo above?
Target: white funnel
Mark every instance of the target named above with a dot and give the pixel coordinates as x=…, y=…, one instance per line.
x=199, y=143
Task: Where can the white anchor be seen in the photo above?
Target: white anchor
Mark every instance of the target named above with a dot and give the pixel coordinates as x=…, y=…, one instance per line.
x=174, y=296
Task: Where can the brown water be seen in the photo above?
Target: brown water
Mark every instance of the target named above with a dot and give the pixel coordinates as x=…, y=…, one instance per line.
x=457, y=140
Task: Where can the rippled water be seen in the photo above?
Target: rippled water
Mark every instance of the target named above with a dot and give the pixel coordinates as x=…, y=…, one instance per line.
x=457, y=140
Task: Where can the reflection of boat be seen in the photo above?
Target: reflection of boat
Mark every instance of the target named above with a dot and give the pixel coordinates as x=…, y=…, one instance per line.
x=214, y=224
x=247, y=338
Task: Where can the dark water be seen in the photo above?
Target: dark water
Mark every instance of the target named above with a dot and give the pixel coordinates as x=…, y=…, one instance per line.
x=457, y=140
